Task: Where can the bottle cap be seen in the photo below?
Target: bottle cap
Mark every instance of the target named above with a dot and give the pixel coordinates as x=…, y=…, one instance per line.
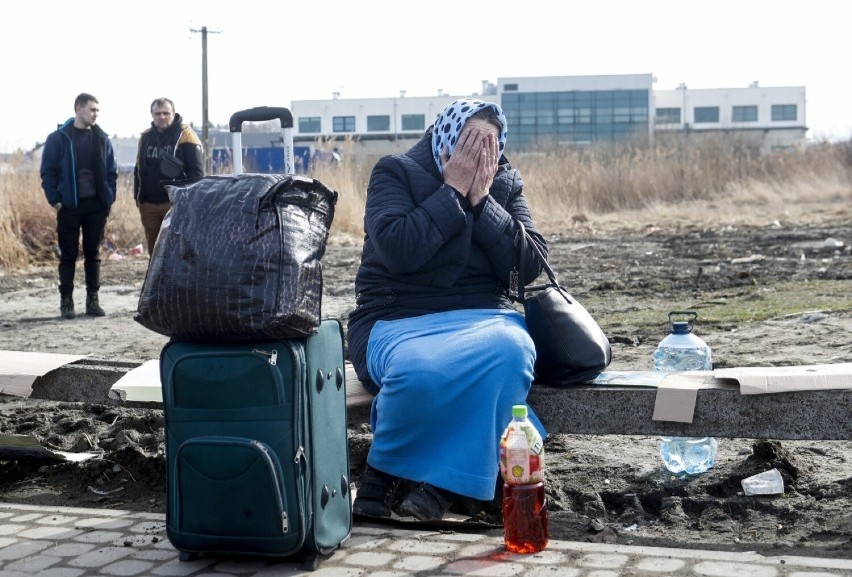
x=519, y=411
x=681, y=328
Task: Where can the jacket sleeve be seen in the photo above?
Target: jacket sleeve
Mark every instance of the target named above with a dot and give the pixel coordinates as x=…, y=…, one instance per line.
x=137, y=170
x=496, y=232
x=406, y=234
x=191, y=153
x=51, y=169
x=111, y=168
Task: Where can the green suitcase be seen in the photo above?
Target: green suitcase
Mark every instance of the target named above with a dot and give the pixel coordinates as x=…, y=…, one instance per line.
x=256, y=445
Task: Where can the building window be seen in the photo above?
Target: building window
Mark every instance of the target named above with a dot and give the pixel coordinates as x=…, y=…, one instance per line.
x=704, y=114
x=413, y=121
x=744, y=114
x=781, y=112
x=343, y=124
x=309, y=124
x=543, y=118
x=511, y=87
x=668, y=116
x=378, y=123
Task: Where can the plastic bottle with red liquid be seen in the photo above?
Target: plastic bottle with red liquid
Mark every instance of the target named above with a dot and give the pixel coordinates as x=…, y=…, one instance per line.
x=525, y=528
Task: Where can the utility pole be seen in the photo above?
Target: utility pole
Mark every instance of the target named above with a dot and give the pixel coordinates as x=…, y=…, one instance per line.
x=205, y=133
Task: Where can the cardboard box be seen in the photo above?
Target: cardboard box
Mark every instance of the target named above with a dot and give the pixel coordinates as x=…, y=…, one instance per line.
x=762, y=380
x=677, y=391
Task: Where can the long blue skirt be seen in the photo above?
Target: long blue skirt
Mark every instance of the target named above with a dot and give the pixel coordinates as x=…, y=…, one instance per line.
x=447, y=385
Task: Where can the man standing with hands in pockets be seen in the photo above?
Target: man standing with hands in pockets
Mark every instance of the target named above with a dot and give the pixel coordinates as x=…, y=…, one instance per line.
x=78, y=175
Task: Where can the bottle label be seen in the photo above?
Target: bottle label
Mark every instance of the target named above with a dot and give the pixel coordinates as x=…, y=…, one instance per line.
x=521, y=454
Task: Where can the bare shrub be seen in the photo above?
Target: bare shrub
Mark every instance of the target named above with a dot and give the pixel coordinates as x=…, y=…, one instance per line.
x=29, y=223
x=349, y=178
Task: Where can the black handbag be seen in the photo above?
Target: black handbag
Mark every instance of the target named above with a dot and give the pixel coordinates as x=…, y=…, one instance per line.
x=571, y=347
x=171, y=167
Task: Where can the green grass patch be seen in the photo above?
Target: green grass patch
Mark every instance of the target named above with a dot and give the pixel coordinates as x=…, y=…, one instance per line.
x=739, y=306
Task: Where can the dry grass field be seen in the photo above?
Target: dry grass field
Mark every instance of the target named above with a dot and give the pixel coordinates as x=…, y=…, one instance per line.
x=614, y=185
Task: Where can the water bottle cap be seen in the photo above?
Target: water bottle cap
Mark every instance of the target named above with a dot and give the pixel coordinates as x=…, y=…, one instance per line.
x=681, y=327
x=519, y=411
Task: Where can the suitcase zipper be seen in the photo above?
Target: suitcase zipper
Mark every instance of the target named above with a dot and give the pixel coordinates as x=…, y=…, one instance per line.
x=273, y=356
x=285, y=526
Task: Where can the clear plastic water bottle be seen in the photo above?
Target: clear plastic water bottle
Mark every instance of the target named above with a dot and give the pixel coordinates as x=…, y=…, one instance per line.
x=689, y=455
x=681, y=350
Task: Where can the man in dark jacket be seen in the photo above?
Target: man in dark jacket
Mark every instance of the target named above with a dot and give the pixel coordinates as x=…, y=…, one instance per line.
x=78, y=175
x=168, y=151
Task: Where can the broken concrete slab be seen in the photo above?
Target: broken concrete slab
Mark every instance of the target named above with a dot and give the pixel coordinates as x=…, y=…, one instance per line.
x=596, y=409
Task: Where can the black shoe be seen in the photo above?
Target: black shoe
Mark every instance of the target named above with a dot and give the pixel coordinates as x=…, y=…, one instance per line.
x=93, y=309
x=427, y=503
x=376, y=493
x=66, y=307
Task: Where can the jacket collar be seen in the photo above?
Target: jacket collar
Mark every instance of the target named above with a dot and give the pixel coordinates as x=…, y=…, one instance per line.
x=68, y=127
x=421, y=153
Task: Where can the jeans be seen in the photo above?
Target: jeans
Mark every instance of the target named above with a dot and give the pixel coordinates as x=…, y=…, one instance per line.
x=89, y=216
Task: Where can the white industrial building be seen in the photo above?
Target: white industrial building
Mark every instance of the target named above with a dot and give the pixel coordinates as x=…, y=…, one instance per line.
x=773, y=117
x=568, y=110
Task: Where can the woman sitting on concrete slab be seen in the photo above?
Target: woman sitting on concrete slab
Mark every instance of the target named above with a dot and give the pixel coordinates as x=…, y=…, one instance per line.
x=434, y=335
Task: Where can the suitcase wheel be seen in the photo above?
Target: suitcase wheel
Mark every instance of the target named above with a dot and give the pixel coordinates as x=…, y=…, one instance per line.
x=187, y=556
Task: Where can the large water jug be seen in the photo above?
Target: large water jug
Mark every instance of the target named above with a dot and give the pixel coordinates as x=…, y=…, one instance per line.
x=682, y=350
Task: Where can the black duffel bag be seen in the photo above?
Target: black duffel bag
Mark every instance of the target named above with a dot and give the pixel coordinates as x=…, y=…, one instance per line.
x=239, y=257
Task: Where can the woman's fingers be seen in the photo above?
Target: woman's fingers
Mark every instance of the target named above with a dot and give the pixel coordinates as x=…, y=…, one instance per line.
x=445, y=156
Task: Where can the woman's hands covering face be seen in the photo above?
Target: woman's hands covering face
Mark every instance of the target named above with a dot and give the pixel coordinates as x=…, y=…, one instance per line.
x=473, y=165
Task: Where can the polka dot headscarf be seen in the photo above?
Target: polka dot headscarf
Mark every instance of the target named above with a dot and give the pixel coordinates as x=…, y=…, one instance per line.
x=450, y=122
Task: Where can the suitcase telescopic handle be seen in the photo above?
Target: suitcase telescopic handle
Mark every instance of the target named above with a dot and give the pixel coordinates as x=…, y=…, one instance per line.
x=261, y=114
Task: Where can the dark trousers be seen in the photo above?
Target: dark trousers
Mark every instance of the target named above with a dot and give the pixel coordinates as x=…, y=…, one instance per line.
x=152, y=216
x=89, y=217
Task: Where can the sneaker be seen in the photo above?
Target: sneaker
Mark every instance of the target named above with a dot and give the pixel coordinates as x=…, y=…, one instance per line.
x=66, y=307
x=93, y=309
x=376, y=493
x=427, y=503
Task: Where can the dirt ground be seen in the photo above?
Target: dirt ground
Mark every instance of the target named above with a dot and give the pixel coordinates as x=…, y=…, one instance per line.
x=600, y=488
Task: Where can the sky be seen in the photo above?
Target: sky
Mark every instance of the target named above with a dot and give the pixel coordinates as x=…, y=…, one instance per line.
x=269, y=53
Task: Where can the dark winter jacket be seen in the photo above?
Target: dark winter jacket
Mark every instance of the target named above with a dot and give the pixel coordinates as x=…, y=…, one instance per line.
x=148, y=183
x=425, y=251
x=59, y=167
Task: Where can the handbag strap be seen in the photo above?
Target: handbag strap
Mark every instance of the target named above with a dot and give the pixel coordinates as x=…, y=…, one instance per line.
x=523, y=239
x=516, y=286
x=182, y=132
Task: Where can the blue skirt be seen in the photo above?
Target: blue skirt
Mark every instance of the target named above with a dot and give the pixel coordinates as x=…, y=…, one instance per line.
x=447, y=382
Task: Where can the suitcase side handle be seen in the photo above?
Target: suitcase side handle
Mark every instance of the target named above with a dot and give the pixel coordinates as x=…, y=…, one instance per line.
x=260, y=114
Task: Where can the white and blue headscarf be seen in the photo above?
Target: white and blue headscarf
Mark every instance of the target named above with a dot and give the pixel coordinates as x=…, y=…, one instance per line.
x=450, y=122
